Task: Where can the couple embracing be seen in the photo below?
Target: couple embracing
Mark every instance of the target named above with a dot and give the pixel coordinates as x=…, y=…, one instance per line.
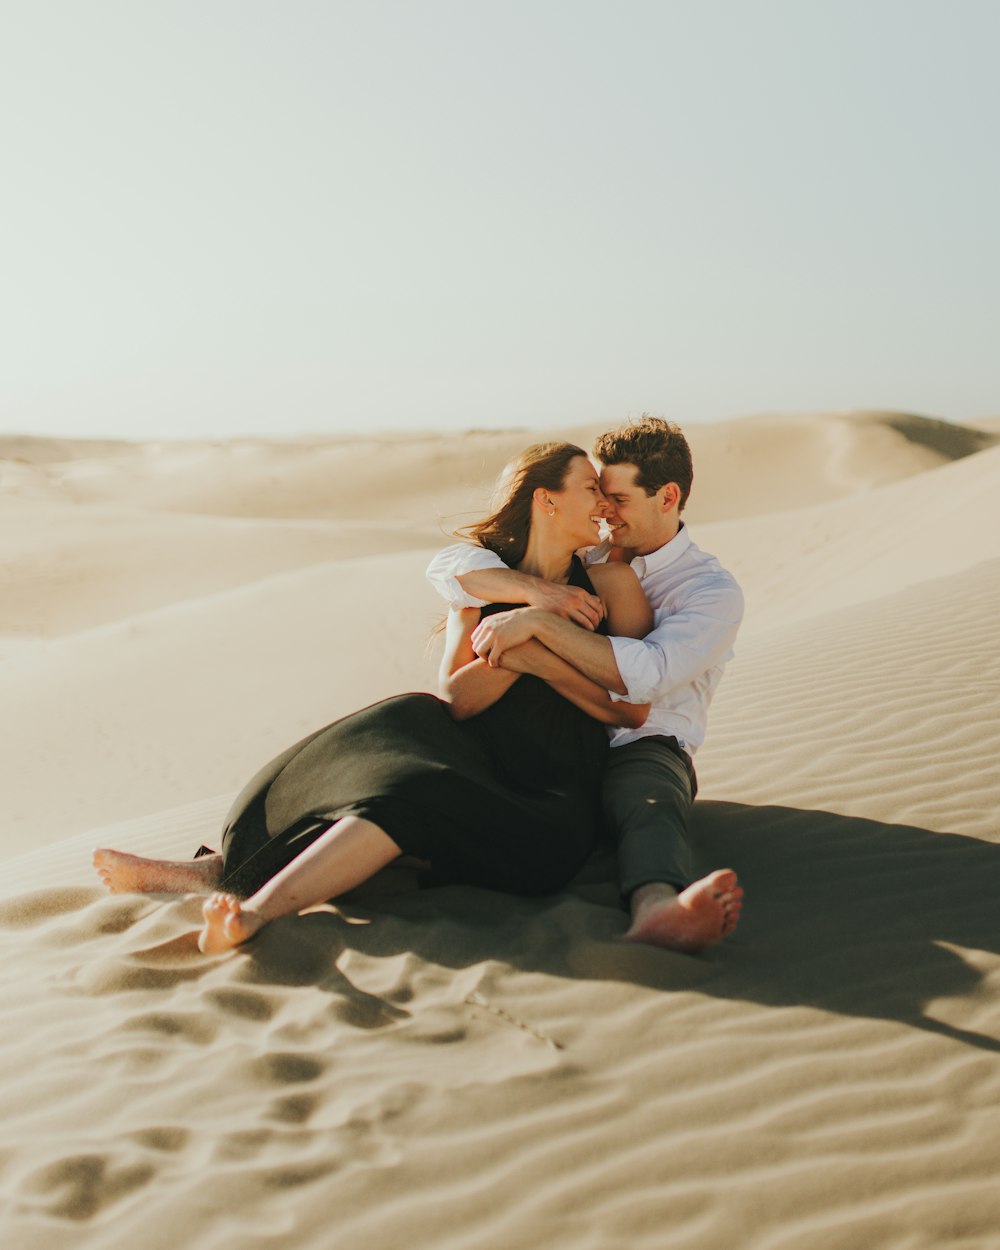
x=573, y=695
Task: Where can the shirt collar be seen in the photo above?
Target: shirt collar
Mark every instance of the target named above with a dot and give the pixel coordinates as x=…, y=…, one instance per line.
x=663, y=556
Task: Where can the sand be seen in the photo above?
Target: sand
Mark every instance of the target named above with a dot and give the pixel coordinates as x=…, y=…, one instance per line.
x=456, y=1069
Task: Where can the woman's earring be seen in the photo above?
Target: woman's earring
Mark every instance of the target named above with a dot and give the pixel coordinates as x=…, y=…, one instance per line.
x=552, y=512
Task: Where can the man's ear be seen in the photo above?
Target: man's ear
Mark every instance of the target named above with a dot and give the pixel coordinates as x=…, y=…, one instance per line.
x=670, y=496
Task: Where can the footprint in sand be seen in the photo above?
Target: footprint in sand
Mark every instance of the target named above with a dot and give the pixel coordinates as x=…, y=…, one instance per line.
x=248, y=1004
x=80, y=1186
x=193, y=1028
x=287, y=1068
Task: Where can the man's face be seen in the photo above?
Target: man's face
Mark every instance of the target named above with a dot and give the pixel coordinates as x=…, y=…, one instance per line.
x=636, y=520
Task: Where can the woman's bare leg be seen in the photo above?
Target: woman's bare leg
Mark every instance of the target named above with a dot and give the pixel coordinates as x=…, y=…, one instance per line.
x=349, y=852
x=123, y=873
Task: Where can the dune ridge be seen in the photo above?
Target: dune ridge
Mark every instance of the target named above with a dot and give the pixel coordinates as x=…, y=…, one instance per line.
x=454, y=1068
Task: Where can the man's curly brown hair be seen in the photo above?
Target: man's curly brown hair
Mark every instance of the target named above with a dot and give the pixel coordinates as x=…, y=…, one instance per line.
x=656, y=447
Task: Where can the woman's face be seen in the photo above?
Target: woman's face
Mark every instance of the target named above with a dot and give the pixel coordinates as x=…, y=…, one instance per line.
x=579, y=504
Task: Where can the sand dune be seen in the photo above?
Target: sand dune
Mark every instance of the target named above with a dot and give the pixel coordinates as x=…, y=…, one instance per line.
x=893, y=707
x=428, y=481
x=803, y=563
x=412, y=479
x=68, y=569
x=168, y=706
x=455, y=1068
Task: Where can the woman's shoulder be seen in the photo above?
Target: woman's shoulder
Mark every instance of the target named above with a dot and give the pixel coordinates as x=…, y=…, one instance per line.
x=612, y=577
x=628, y=613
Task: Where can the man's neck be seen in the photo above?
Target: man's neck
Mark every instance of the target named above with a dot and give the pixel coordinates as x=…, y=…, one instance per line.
x=669, y=536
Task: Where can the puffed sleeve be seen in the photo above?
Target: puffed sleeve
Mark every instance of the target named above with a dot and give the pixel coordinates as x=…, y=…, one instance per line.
x=448, y=566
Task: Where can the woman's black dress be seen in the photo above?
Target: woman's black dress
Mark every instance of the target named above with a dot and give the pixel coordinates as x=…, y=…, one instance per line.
x=508, y=799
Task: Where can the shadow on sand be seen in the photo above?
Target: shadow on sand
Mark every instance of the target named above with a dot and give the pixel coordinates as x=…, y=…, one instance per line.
x=844, y=914
x=847, y=915
x=854, y=916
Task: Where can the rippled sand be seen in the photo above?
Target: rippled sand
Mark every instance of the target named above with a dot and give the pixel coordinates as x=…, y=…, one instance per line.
x=455, y=1069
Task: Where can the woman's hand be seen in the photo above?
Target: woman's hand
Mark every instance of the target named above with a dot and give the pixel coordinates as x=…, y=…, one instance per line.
x=501, y=631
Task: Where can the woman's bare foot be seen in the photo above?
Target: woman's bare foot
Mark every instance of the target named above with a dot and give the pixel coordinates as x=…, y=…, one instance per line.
x=699, y=916
x=123, y=873
x=227, y=924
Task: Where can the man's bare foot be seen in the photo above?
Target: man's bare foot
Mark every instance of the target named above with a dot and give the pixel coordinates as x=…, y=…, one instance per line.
x=699, y=916
x=227, y=924
x=123, y=873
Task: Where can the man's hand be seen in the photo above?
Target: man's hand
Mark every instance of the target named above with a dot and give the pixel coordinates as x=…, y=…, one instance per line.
x=498, y=633
x=530, y=657
x=572, y=602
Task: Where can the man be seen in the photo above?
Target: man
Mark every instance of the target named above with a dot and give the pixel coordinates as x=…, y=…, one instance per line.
x=650, y=783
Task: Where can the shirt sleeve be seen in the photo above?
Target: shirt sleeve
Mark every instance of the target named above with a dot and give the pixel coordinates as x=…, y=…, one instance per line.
x=449, y=565
x=682, y=645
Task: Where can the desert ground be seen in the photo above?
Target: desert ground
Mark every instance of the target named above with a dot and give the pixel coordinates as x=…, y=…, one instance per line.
x=455, y=1069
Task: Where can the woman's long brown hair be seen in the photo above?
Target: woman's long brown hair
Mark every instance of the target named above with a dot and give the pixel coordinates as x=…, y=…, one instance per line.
x=505, y=531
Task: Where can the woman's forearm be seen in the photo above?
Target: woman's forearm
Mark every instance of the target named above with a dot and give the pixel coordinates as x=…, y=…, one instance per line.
x=475, y=687
x=594, y=699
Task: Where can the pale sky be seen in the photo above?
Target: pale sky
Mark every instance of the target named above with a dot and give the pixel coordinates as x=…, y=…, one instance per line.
x=229, y=217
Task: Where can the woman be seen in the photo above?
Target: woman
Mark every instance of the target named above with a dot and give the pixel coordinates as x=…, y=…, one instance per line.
x=494, y=784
